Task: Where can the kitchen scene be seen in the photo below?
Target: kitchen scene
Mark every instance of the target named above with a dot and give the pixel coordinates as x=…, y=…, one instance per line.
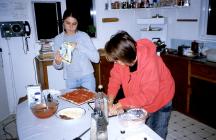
x=107, y=69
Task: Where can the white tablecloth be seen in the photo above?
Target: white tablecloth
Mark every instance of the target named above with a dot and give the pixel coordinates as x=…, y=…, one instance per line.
x=31, y=128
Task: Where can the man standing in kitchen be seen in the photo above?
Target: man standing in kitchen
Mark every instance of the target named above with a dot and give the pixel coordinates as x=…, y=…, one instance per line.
x=74, y=54
x=145, y=79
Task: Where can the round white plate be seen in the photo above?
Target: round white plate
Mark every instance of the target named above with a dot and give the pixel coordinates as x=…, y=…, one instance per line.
x=71, y=113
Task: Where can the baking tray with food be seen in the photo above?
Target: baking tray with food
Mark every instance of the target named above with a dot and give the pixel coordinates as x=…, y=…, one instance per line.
x=78, y=96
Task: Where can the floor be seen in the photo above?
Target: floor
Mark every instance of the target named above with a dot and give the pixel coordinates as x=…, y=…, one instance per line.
x=8, y=128
x=181, y=127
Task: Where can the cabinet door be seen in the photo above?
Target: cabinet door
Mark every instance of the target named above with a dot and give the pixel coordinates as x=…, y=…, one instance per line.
x=179, y=70
x=102, y=72
x=105, y=71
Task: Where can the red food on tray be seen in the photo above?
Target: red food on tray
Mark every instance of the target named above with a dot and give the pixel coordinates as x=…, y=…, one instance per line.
x=78, y=96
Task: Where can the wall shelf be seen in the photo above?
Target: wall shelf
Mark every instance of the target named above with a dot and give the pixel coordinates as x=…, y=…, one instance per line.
x=153, y=28
x=134, y=9
x=151, y=21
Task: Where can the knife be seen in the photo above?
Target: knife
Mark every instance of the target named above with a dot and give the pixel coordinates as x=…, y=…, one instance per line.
x=78, y=138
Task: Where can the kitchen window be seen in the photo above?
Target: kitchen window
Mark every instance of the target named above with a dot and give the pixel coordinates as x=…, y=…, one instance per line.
x=208, y=16
x=86, y=11
x=48, y=19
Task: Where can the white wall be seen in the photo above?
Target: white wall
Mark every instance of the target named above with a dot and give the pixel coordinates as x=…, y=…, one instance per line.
x=4, y=108
x=127, y=21
x=19, y=67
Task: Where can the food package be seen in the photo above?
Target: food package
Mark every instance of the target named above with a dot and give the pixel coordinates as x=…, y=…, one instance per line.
x=34, y=94
x=66, y=51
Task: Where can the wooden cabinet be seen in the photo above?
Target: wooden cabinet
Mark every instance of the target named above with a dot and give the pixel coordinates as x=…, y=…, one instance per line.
x=179, y=70
x=195, y=81
x=42, y=74
x=102, y=71
x=203, y=71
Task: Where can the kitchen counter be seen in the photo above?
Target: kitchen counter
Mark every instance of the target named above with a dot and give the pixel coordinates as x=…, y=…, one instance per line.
x=200, y=59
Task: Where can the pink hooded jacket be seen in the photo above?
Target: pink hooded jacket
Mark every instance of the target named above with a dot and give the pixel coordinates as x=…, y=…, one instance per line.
x=151, y=86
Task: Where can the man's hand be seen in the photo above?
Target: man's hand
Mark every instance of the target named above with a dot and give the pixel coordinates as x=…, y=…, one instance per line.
x=115, y=109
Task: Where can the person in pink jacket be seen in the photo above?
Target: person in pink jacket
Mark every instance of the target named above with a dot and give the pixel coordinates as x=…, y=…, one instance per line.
x=145, y=80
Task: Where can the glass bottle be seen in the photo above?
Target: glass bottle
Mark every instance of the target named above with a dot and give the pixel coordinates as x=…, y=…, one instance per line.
x=93, y=130
x=102, y=127
x=103, y=101
x=98, y=101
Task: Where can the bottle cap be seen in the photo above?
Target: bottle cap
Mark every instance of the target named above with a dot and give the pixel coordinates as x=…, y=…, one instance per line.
x=100, y=86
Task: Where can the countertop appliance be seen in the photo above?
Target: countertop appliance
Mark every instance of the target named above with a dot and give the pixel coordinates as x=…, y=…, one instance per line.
x=183, y=49
x=211, y=55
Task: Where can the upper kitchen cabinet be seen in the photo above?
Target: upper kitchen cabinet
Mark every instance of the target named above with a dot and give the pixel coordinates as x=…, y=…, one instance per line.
x=142, y=4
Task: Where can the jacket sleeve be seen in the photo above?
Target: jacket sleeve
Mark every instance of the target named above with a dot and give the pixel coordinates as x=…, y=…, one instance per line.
x=114, y=81
x=149, y=90
x=58, y=67
x=56, y=46
x=89, y=49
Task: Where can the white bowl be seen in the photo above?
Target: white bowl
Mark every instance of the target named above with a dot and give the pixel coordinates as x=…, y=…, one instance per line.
x=132, y=117
x=71, y=113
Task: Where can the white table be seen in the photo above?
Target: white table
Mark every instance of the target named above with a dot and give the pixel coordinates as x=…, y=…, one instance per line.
x=31, y=128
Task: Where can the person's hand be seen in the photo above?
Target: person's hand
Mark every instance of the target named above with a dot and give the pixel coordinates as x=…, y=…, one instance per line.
x=110, y=103
x=115, y=109
x=58, y=58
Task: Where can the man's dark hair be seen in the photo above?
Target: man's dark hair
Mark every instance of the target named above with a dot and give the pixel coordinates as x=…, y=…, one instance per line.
x=121, y=47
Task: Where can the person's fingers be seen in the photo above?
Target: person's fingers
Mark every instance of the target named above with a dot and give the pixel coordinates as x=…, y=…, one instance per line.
x=113, y=110
x=58, y=58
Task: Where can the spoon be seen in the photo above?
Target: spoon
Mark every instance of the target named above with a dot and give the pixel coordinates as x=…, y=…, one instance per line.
x=45, y=101
x=78, y=138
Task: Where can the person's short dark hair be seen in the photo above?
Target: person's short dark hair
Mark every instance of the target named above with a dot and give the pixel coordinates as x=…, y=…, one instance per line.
x=69, y=13
x=121, y=47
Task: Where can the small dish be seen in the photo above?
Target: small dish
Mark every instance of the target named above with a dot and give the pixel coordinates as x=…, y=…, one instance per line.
x=71, y=113
x=42, y=110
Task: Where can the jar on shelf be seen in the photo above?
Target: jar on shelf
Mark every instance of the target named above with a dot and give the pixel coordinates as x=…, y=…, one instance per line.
x=180, y=2
x=116, y=5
